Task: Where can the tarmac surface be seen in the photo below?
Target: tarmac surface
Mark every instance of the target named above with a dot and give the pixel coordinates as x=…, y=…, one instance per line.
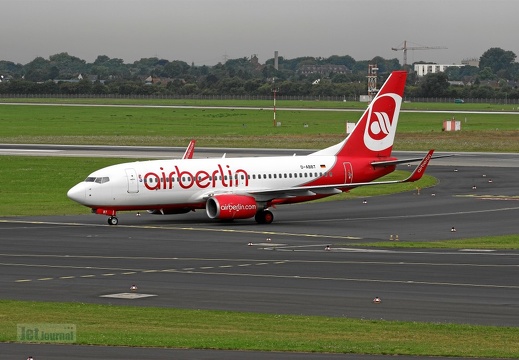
x=188, y=261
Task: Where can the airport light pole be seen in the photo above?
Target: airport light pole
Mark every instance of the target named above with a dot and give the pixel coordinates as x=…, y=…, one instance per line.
x=275, y=92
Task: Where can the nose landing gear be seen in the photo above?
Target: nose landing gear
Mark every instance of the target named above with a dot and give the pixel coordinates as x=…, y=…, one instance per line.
x=112, y=218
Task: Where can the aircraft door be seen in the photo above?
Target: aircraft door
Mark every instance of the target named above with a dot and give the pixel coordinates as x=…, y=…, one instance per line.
x=348, y=173
x=133, y=183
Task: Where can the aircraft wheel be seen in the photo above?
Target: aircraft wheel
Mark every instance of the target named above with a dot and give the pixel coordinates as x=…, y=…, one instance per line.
x=264, y=217
x=113, y=220
x=268, y=217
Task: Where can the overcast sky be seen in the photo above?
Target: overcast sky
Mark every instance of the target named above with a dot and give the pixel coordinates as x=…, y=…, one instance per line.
x=207, y=31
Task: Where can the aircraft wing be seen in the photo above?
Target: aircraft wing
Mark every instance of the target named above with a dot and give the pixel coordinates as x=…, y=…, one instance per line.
x=269, y=194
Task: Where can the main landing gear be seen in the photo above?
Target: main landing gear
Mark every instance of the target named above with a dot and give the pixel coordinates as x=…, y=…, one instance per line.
x=112, y=220
x=264, y=217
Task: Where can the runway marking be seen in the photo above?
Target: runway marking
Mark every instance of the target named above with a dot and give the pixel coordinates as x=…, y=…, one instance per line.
x=491, y=197
x=319, y=278
x=130, y=296
x=186, y=270
x=410, y=216
x=184, y=228
x=202, y=270
x=303, y=277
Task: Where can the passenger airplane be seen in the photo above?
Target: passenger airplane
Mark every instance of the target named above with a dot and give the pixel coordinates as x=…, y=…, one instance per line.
x=242, y=188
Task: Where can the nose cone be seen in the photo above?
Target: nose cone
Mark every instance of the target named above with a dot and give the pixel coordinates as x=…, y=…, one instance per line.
x=77, y=193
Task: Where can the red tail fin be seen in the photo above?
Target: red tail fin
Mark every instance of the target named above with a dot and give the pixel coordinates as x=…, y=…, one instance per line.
x=374, y=134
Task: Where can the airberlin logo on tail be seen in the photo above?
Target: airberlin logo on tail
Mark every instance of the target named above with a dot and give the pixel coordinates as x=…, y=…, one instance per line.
x=382, y=120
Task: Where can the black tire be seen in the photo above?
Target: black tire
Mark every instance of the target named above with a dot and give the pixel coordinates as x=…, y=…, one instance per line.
x=264, y=217
x=113, y=220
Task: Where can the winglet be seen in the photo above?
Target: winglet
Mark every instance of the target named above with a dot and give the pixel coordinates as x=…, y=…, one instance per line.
x=190, y=150
x=420, y=169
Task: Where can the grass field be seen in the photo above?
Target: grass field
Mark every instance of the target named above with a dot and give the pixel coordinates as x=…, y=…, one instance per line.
x=280, y=103
x=159, y=327
x=243, y=128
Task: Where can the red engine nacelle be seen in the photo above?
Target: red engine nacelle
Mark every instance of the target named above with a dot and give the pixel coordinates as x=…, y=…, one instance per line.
x=227, y=207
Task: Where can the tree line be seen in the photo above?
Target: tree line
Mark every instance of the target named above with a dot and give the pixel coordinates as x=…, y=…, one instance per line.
x=496, y=76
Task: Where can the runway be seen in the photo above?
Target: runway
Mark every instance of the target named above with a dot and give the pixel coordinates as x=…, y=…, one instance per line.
x=187, y=261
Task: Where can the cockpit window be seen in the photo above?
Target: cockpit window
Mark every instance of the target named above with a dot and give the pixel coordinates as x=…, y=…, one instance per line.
x=99, y=180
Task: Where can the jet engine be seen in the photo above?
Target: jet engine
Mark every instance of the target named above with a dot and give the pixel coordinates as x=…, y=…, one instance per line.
x=228, y=207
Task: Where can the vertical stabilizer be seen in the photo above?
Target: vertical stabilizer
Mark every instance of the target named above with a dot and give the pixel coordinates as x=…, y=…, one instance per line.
x=374, y=133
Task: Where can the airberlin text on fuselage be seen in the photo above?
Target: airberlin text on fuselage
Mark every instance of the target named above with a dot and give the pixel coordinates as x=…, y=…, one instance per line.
x=224, y=177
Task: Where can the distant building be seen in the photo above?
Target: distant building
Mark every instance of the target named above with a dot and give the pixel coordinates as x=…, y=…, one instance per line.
x=323, y=69
x=424, y=69
x=91, y=78
x=470, y=62
x=456, y=83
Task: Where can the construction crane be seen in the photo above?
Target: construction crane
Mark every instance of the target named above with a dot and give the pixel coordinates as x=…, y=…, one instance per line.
x=404, y=48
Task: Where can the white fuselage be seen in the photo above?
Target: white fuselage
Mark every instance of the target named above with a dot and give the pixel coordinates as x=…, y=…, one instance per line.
x=166, y=183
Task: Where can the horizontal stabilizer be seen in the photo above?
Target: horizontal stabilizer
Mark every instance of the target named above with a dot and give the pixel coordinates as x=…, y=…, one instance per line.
x=420, y=169
x=404, y=161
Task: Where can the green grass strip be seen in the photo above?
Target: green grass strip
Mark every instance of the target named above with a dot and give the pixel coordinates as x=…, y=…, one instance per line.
x=504, y=242
x=201, y=329
x=231, y=128
x=281, y=103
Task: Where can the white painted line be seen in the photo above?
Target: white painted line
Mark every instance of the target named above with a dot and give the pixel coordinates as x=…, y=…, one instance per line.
x=130, y=296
